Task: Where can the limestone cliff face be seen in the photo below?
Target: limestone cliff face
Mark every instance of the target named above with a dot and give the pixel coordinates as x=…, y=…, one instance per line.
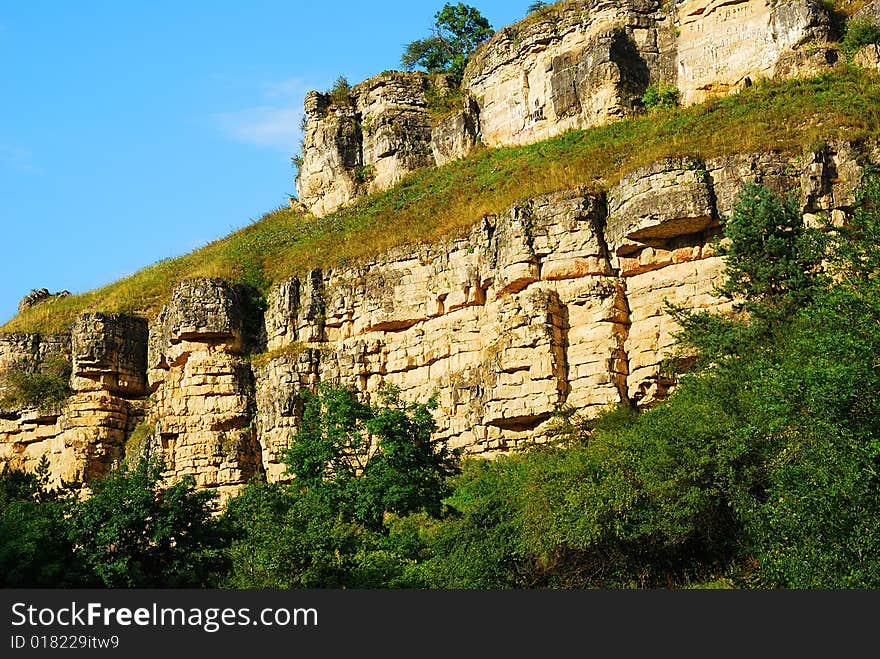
x=558, y=301
x=201, y=417
x=870, y=10
x=574, y=65
x=86, y=435
x=724, y=45
x=585, y=63
x=368, y=141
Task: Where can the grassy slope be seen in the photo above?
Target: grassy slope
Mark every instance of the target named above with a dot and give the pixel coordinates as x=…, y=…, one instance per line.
x=784, y=116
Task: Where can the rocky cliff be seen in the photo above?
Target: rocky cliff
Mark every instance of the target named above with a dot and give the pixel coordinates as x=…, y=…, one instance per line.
x=370, y=137
x=558, y=301
x=572, y=65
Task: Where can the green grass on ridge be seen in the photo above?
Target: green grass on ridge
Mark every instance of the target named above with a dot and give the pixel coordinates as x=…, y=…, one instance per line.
x=434, y=203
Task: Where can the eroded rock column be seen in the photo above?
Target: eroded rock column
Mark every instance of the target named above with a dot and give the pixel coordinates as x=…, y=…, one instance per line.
x=202, y=384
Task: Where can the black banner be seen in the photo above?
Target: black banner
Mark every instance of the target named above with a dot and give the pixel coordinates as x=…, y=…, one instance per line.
x=211, y=624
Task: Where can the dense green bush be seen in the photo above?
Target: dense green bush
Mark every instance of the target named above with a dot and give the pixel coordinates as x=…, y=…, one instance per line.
x=34, y=551
x=284, y=537
x=132, y=532
x=135, y=532
x=479, y=545
x=661, y=95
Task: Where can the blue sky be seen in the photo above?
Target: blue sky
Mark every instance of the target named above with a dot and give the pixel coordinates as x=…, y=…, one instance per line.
x=134, y=131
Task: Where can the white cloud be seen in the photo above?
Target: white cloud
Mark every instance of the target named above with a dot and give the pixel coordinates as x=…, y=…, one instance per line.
x=275, y=123
x=18, y=159
x=295, y=88
x=266, y=126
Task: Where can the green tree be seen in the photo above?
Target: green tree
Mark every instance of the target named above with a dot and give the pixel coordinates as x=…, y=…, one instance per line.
x=132, y=532
x=370, y=461
x=330, y=447
x=458, y=30
x=855, y=249
x=285, y=537
x=340, y=92
x=34, y=550
x=808, y=507
x=772, y=258
x=408, y=472
x=817, y=524
x=357, y=471
x=536, y=6
x=772, y=270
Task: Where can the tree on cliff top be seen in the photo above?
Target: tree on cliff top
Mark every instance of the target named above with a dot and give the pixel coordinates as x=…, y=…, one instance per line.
x=457, y=31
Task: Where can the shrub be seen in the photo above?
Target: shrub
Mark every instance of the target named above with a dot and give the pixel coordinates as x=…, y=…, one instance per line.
x=760, y=471
x=480, y=545
x=340, y=92
x=287, y=538
x=49, y=385
x=34, y=550
x=859, y=32
x=661, y=95
x=442, y=101
x=133, y=532
x=365, y=174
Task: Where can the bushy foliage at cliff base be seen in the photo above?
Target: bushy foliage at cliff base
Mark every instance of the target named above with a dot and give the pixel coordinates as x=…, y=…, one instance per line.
x=132, y=531
x=762, y=470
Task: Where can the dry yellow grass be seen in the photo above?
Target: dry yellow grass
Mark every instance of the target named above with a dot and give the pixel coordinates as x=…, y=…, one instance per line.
x=439, y=202
x=846, y=7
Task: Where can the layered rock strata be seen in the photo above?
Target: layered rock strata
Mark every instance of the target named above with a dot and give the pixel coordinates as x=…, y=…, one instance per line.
x=572, y=65
x=202, y=417
x=85, y=436
x=723, y=45
x=368, y=139
x=559, y=301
